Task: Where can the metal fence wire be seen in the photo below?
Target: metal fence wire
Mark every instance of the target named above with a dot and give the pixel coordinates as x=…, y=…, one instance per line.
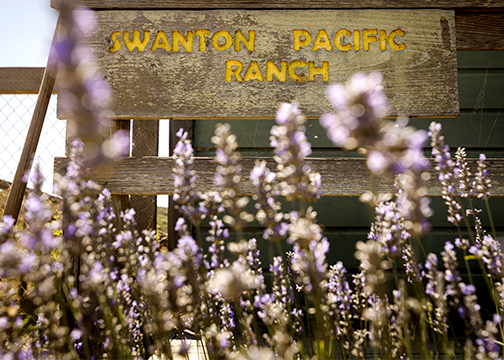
x=15, y=116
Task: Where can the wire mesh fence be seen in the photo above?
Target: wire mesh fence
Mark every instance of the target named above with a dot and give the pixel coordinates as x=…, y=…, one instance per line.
x=15, y=116
x=16, y=111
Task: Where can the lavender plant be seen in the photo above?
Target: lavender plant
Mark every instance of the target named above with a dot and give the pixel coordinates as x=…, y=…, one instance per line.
x=80, y=286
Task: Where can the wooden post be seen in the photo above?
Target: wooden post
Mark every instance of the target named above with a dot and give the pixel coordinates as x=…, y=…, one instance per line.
x=145, y=143
x=15, y=198
x=174, y=214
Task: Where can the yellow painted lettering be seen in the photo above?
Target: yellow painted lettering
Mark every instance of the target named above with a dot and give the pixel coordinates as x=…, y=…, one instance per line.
x=356, y=40
x=368, y=36
x=202, y=35
x=233, y=67
x=253, y=72
x=383, y=40
x=161, y=42
x=226, y=36
x=117, y=43
x=313, y=70
x=339, y=36
x=322, y=41
x=248, y=43
x=179, y=39
x=136, y=43
x=271, y=69
x=391, y=40
x=293, y=65
x=298, y=42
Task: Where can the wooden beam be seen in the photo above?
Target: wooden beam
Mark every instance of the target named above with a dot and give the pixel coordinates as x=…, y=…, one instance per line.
x=340, y=176
x=284, y=4
x=21, y=80
x=479, y=30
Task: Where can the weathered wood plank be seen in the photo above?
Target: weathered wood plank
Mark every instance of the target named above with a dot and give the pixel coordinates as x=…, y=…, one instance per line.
x=480, y=30
x=21, y=80
x=216, y=75
x=145, y=143
x=340, y=176
x=284, y=4
x=26, y=80
x=120, y=202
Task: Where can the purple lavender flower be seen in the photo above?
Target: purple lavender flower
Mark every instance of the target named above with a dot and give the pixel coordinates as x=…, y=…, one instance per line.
x=281, y=289
x=414, y=270
x=436, y=290
x=392, y=149
x=297, y=180
x=185, y=194
x=267, y=206
x=489, y=251
x=217, y=235
x=483, y=183
x=360, y=105
x=466, y=185
x=446, y=168
x=388, y=229
x=339, y=297
x=228, y=176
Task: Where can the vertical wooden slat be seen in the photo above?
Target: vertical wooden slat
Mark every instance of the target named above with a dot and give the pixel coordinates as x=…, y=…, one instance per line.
x=174, y=214
x=145, y=143
x=120, y=202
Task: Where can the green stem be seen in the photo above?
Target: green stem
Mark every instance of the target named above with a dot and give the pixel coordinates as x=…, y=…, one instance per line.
x=421, y=246
x=468, y=268
x=494, y=234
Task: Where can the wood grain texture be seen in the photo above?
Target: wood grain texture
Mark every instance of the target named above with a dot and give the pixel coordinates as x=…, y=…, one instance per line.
x=20, y=80
x=285, y=4
x=421, y=80
x=120, y=202
x=145, y=143
x=480, y=30
x=340, y=176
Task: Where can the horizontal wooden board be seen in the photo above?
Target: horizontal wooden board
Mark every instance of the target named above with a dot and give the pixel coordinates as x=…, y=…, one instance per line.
x=480, y=30
x=284, y=4
x=192, y=81
x=340, y=176
x=20, y=80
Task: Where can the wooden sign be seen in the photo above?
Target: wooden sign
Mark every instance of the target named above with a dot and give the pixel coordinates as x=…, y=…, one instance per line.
x=243, y=64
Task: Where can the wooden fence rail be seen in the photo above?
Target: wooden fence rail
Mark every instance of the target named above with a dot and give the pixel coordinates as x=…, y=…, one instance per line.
x=340, y=176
